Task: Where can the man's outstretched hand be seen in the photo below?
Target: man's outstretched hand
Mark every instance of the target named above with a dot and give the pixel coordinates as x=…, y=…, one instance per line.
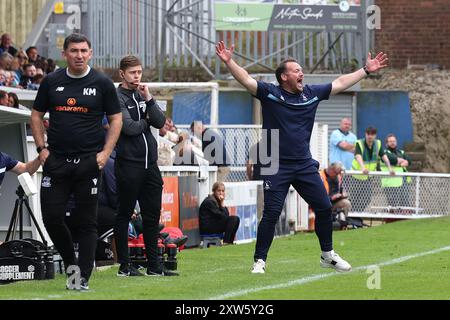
x=378, y=63
x=225, y=54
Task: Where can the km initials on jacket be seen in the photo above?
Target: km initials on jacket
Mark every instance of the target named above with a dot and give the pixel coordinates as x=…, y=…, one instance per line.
x=90, y=92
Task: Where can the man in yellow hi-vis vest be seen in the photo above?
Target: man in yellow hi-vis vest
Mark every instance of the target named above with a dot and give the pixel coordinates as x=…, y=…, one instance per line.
x=396, y=188
x=368, y=154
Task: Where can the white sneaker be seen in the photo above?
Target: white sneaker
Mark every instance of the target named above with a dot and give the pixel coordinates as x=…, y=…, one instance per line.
x=336, y=263
x=259, y=267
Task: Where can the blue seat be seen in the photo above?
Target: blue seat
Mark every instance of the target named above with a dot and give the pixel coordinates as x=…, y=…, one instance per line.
x=211, y=240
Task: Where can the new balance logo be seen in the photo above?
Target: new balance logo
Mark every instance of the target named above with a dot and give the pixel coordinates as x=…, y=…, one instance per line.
x=60, y=89
x=90, y=92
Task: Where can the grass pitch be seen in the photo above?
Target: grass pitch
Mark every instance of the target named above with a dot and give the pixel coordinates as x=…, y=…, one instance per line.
x=293, y=271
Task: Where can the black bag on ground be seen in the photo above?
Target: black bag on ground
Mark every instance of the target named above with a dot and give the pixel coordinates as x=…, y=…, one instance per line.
x=22, y=260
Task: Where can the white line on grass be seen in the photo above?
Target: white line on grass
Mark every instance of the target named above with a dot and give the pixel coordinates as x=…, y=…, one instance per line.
x=301, y=281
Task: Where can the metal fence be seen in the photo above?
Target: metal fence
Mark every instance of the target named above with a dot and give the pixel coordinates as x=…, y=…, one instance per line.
x=239, y=139
x=405, y=196
x=188, y=38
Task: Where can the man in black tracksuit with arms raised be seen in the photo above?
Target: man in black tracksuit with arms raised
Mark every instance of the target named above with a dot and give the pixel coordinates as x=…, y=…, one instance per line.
x=137, y=173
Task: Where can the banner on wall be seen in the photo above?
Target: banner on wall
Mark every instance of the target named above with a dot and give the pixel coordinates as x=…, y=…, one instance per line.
x=170, y=212
x=279, y=17
x=241, y=201
x=189, y=206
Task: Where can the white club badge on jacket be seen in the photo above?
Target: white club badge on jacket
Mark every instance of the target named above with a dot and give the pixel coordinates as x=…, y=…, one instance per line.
x=143, y=106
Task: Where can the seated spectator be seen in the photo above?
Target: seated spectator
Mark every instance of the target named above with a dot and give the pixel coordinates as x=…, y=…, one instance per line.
x=4, y=98
x=10, y=79
x=36, y=82
x=13, y=100
x=41, y=66
x=6, y=45
x=167, y=132
x=17, y=65
x=29, y=72
x=332, y=179
x=51, y=66
x=40, y=71
x=3, y=78
x=33, y=55
x=6, y=61
x=172, y=127
x=22, y=57
x=15, y=103
x=214, y=217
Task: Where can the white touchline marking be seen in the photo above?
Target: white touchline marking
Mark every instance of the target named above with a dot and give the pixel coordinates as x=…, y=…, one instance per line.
x=298, y=282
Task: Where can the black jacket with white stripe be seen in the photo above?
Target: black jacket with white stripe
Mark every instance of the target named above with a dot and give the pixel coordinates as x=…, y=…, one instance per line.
x=136, y=145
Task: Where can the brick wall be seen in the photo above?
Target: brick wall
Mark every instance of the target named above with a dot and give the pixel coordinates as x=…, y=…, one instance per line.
x=417, y=31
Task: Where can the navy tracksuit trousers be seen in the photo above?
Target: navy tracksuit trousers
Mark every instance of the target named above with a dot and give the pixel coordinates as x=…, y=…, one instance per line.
x=305, y=178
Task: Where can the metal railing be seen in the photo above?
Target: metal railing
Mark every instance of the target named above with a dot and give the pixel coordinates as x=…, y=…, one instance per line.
x=142, y=27
x=404, y=196
x=239, y=139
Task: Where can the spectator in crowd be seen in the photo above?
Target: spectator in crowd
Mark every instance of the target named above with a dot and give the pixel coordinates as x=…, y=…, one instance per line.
x=214, y=217
x=6, y=61
x=368, y=154
x=166, y=155
x=10, y=79
x=20, y=60
x=33, y=55
x=396, y=188
x=22, y=57
x=342, y=144
x=168, y=132
x=213, y=148
x=51, y=66
x=36, y=82
x=332, y=178
x=29, y=72
x=3, y=78
x=6, y=45
x=40, y=71
x=15, y=65
x=13, y=100
x=41, y=65
x=4, y=98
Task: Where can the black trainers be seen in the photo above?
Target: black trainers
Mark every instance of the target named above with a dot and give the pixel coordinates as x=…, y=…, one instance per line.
x=128, y=270
x=84, y=285
x=160, y=272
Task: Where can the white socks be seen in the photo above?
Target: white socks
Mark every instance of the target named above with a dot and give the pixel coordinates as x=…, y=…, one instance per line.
x=327, y=255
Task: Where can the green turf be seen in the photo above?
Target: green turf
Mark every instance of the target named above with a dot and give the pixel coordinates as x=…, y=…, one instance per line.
x=219, y=271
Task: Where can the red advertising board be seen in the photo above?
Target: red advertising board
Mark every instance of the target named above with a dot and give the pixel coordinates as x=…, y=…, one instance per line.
x=170, y=209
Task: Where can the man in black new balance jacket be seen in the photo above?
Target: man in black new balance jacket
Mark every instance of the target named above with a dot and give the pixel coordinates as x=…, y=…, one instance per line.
x=137, y=173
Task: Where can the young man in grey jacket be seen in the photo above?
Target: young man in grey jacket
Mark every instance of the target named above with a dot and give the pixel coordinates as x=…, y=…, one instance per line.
x=137, y=173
